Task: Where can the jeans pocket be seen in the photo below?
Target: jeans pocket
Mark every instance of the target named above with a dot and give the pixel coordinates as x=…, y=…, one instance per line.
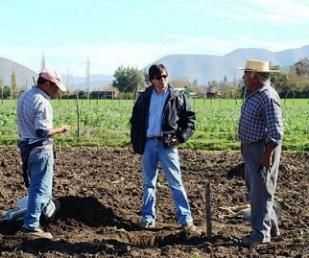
x=40, y=153
x=36, y=151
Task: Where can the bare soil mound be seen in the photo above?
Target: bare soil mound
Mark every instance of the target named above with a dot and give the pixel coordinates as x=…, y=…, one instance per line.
x=100, y=193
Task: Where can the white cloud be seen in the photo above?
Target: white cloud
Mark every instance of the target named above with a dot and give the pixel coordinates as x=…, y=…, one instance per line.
x=277, y=12
x=221, y=46
x=284, y=12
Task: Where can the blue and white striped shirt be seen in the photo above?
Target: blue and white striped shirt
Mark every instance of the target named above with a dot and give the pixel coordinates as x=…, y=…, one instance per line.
x=261, y=116
x=34, y=112
x=157, y=102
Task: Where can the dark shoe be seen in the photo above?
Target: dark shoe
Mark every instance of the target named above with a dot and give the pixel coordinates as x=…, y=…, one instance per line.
x=50, y=210
x=37, y=233
x=274, y=233
x=145, y=224
x=253, y=240
x=57, y=208
x=57, y=205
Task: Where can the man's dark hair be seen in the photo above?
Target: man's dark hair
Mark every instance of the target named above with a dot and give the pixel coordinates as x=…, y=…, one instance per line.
x=156, y=70
x=41, y=81
x=263, y=77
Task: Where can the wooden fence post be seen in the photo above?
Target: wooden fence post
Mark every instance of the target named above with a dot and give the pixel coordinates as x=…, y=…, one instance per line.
x=78, y=116
x=208, y=209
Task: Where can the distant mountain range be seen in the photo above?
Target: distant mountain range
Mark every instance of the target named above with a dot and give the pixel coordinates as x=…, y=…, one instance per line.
x=97, y=82
x=24, y=76
x=202, y=68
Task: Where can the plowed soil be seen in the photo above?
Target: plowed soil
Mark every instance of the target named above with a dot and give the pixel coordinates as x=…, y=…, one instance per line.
x=100, y=194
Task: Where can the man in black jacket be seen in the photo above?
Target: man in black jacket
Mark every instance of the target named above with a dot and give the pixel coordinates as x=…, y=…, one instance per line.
x=162, y=118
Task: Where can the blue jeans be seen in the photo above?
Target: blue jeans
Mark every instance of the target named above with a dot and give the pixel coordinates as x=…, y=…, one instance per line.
x=40, y=167
x=169, y=159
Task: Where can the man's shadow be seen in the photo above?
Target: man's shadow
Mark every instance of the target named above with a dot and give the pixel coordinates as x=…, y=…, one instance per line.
x=237, y=172
x=91, y=212
x=87, y=210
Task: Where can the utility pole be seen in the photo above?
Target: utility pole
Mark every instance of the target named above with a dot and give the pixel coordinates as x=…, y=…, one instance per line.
x=1, y=85
x=88, y=77
x=43, y=61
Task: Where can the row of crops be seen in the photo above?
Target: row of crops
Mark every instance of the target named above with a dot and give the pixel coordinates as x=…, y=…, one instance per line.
x=106, y=123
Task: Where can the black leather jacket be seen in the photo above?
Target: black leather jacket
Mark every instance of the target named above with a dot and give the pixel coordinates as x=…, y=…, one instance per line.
x=178, y=119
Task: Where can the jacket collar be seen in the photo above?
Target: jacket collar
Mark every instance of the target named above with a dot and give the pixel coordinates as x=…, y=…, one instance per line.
x=173, y=92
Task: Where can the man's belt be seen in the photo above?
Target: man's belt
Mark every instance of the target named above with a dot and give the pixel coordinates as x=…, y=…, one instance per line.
x=245, y=143
x=25, y=149
x=159, y=138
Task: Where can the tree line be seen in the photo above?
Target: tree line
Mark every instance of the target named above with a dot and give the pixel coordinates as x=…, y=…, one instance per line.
x=293, y=82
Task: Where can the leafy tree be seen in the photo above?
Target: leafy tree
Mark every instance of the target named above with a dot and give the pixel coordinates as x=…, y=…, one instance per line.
x=146, y=76
x=195, y=83
x=82, y=94
x=128, y=78
x=295, y=82
x=212, y=86
x=1, y=89
x=280, y=82
x=302, y=67
x=14, y=85
x=180, y=83
x=6, y=92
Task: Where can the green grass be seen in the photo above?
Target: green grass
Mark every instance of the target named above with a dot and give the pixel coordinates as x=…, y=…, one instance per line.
x=106, y=123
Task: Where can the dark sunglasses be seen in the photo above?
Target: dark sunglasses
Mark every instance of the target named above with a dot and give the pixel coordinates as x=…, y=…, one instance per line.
x=164, y=76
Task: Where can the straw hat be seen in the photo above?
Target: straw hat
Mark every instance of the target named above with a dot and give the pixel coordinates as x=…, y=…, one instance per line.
x=259, y=66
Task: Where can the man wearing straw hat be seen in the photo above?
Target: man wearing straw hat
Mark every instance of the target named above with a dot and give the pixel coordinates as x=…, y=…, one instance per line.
x=260, y=133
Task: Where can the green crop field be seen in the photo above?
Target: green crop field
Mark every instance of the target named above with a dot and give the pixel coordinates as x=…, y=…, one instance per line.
x=106, y=123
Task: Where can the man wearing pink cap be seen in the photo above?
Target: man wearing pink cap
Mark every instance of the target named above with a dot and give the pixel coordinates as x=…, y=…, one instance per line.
x=35, y=128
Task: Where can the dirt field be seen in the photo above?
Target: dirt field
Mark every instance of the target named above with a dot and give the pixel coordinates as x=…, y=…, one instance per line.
x=100, y=195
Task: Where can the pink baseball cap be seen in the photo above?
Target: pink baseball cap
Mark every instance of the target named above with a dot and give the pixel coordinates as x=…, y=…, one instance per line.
x=54, y=77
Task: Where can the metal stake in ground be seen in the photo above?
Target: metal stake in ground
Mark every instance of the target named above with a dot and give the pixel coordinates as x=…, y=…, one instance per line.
x=208, y=209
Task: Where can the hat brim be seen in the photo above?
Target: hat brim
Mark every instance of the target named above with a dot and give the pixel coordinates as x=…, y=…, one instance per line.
x=258, y=71
x=61, y=87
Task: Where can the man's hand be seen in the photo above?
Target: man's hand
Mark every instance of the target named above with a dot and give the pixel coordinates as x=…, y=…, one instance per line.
x=267, y=158
x=65, y=128
x=59, y=130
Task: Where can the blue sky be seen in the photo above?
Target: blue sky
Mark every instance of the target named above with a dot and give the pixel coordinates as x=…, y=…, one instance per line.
x=137, y=32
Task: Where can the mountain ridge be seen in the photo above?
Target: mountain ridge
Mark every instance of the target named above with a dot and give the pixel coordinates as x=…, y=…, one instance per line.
x=192, y=67
x=204, y=68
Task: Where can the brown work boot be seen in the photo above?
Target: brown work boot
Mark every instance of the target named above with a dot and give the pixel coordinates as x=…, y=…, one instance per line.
x=143, y=224
x=36, y=233
x=253, y=240
x=190, y=229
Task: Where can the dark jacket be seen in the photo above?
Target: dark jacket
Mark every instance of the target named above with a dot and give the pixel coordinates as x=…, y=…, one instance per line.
x=178, y=119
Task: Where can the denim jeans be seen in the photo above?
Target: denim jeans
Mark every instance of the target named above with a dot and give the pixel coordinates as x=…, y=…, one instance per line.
x=169, y=159
x=40, y=167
